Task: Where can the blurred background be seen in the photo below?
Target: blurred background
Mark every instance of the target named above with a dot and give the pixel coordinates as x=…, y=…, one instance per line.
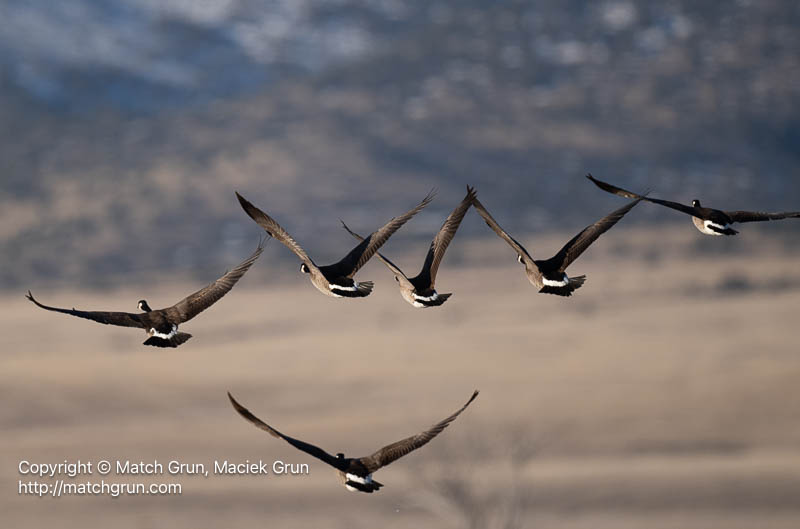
x=664, y=394
x=131, y=122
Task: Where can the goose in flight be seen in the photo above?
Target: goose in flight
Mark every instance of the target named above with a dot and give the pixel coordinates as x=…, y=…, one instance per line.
x=420, y=290
x=355, y=473
x=707, y=220
x=162, y=325
x=336, y=279
x=550, y=276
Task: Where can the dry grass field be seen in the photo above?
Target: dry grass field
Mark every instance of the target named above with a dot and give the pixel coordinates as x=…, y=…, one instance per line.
x=664, y=394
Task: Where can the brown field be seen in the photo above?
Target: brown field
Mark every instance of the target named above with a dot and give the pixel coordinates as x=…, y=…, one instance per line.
x=664, y=394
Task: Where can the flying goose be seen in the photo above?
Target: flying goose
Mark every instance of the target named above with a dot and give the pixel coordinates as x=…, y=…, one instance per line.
x=335, y=280
x=419, y=290
x=549, y=276
x=162, y=325
x=707, y=220
x=356, y=473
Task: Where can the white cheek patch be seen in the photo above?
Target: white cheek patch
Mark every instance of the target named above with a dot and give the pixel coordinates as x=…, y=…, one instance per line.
x=417, y=304
x=172, y=333
x=351, y=489
x=359, y=479
x=550, y=283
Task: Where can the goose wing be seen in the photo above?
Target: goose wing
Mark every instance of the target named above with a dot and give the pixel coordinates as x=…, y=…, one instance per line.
x=121, y=319
x=394, y=451
x=274, y=230
x=390, y=265
x=309, y=449
x=521, y=251
x=578, y=244
x=443, y=237
x=614, y=190
x=194, y=304
x=757, y=216
x=359, y=255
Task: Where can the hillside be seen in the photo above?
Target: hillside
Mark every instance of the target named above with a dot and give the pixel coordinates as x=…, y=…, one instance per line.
x=118, y=172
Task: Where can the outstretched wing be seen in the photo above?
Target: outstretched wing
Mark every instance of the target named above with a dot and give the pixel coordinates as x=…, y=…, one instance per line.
x=443, y=238
x=309, y=449
x=578, y=244
x=689, y=210
x=359, y=255
x=274, y=230
x=521, y=251
x=390, y=265
x=757, y=216
x=122, y=319
x=394, y=451
x=194, y=304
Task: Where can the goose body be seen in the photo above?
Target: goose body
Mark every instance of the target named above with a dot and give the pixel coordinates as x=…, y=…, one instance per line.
x=335, y=280
x=550, y=275
x=420, y=290
x=708, y=221
x=161, y=325
x=355, y=473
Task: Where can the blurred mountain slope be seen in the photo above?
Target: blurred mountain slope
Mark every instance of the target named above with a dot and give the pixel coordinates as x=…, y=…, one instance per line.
x=116, y=167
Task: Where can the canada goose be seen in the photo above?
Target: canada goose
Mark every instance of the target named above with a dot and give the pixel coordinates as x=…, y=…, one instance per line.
x=356, y=473
x=707, y=220
x=420, y=290
x=549, y=275
x=335, y=280
x=162, y=325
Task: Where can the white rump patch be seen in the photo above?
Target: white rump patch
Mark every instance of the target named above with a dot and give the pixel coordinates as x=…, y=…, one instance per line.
x=359, y=479
x=434, y=297
x=340, y=287
x=708, y=224
x=350, y=488
x=550, y=283
x=172, y=333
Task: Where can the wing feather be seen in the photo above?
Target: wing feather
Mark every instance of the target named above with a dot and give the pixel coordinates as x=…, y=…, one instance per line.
x=614, y=190
x=274, y=230
x=521, y=251
x=394, y=451
x=359, y=255
x=194, y=304
x=758, y=216
x=390, y=265
x=578, y=244
x=121, y=319
x=309, y=449
x=442, y=240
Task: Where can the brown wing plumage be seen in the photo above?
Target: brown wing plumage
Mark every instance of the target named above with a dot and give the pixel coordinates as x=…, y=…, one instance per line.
x=757, y=216
x=362, y=253
x=121, y=319
x=521, y=251
x=194, y=304
x=578, y=244
x=310, y=449
x=389, y=264
x=614, y=190
x=444, y=236
x=274, y=230
x=394, y=451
